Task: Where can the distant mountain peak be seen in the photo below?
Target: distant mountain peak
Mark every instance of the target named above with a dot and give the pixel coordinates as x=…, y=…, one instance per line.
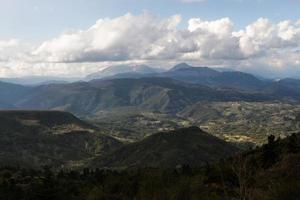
x=181, y=66
x=121, y=69
x=132, y=67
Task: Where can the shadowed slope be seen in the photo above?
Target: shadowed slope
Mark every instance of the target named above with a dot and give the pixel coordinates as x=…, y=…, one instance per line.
x=37, y=138
x=188, y=146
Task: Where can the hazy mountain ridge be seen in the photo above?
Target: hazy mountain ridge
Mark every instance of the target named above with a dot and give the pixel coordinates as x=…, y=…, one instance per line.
x=39, y=80
x=214, y=78
x=200, y=75
x=161, y=94
x=211, y=77
x=9, y=92
x=285, y=89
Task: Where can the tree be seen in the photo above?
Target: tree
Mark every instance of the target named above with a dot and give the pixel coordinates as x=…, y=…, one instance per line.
x=292, y=144
x=269, y=154
x=271, y=139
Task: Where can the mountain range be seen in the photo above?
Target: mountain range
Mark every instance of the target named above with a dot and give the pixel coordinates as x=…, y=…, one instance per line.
x=177, y=134
x=172, y=99
x=212, y=77
x=167, y=91
x=39, y=80
x=161, y=94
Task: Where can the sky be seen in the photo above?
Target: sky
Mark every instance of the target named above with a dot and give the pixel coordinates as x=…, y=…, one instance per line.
x=77, y=37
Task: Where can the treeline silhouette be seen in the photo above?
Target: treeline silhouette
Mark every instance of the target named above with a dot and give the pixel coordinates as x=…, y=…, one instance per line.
x=269, y=172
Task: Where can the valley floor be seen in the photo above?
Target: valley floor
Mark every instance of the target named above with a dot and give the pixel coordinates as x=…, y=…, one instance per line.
x=244, y=123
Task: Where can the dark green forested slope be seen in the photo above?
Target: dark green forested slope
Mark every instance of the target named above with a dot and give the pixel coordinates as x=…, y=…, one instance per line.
x=36, y=138
x=187, y=146
x=271, y=172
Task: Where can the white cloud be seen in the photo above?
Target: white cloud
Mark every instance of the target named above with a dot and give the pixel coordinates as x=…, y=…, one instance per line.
x=12, y=49
x=261, y=46
x=124, y=38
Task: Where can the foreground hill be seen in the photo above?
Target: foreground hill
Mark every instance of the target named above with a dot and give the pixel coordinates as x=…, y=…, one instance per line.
x=37, y=138
x=269, y=172
x=189, y=146
x=42, y=119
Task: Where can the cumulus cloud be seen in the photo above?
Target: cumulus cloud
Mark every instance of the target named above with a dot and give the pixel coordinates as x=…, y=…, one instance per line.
x=13, y=49
x=262, y=45
x=124, y=38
